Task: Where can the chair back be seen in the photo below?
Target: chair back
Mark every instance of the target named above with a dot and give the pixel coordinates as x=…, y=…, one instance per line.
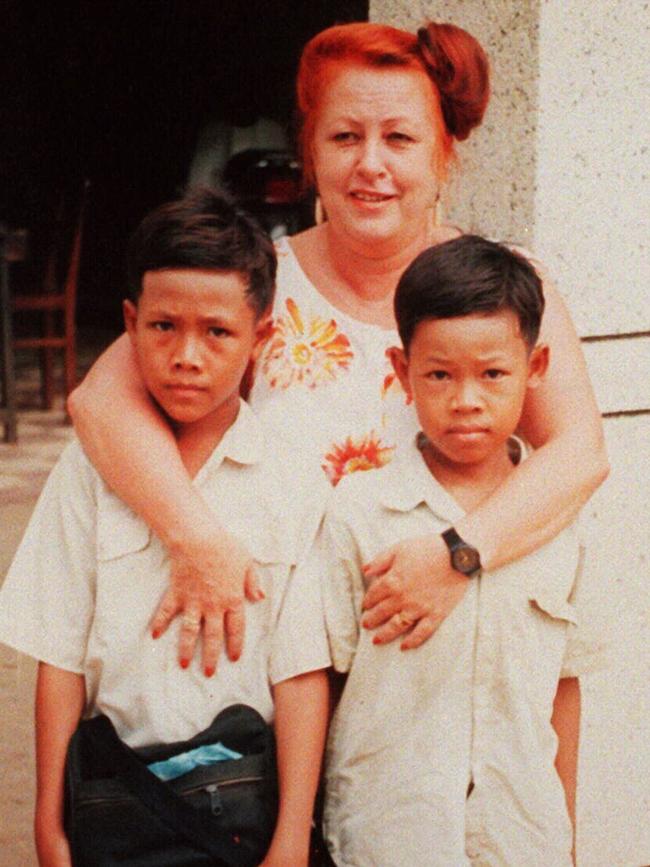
x=71, y=279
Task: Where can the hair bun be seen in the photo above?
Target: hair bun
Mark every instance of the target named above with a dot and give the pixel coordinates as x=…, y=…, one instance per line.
x=459, y=67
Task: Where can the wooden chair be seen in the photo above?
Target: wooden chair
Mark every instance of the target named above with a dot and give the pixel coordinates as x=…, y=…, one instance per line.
x=8, y=414
x=57, y=305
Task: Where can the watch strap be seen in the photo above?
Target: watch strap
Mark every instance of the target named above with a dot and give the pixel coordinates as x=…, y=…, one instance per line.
x=465, y=558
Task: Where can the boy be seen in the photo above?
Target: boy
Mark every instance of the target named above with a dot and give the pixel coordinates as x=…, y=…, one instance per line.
x=445, y=755
x=89, y=571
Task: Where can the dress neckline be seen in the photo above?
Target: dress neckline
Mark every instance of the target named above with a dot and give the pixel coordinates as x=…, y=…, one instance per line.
x=283, y=244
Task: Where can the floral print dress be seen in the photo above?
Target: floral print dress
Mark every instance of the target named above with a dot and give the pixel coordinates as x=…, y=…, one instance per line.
x=324, y=381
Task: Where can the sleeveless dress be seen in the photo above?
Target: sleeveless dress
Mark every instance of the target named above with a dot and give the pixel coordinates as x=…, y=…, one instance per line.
x=324, y=381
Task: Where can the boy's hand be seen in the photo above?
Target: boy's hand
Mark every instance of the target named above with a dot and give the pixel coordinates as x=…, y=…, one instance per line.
x=285, y=851
x=210, y=575
x=52, y=849
x=413, y=588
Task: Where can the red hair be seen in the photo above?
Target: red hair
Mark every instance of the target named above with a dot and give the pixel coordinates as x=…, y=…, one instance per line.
x=452, y=59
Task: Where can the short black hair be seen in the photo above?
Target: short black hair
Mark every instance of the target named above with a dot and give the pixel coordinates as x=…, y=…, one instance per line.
x=468, y=275
x=204, y=230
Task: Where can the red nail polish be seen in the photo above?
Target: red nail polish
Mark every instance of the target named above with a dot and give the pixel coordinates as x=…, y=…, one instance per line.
x=155, y=633
x=184, y=663
x=376, y=640
x=209, y=670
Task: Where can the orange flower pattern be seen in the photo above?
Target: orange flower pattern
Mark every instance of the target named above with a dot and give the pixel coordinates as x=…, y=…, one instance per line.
x=354, y=455
x=308, y=354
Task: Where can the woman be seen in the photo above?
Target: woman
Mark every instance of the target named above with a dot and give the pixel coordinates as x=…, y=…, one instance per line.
x=380, y=109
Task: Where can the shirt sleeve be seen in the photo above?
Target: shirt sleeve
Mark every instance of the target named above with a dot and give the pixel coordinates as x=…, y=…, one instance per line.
x=299, y=643
x=47, y=599
x=342, y=588
x=587, y=649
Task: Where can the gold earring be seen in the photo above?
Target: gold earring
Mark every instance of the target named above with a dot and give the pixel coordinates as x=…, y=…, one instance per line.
x=319, y=212
x=438, y=210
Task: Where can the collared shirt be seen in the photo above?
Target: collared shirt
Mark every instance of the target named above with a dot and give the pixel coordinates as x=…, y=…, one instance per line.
x=89, y=573
x=468, y=710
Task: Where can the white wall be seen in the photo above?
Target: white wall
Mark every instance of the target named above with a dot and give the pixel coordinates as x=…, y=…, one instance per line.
x=592, y=226
x=592, y=202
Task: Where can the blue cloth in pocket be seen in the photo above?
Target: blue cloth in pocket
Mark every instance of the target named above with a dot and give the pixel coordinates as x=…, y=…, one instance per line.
x=183, y=763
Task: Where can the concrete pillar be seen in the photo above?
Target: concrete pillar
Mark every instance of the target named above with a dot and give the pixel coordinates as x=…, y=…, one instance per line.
x=561, y=165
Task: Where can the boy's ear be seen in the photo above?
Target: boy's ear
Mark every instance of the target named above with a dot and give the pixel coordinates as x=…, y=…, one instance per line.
x=400, y=363
x=263, y=331
x=130, y=312
x=537, y=365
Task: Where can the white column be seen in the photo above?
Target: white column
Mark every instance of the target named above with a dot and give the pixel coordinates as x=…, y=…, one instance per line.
x=592, y=227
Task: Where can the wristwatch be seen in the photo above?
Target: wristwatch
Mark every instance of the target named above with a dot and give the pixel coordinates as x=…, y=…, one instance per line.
x=464, y=557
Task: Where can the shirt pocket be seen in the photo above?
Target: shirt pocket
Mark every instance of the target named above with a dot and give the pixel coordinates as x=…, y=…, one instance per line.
x=130, y=579
x=273, y=560
x=554, y=606
x=119, y=530
x=269, y=550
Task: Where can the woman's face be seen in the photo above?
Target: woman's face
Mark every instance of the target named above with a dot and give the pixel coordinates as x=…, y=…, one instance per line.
x=375, y=155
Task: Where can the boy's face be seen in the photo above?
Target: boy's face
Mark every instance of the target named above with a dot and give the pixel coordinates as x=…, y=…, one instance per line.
x=468, y=378
x=194, y=333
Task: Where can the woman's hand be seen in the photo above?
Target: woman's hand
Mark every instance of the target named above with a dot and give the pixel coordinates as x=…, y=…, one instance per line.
x=413, y=588
x=211, y=573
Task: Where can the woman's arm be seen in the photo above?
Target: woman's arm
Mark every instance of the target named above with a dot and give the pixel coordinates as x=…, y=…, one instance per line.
x=60, y=699
x=134, y=450
x=300, y=727
x=561, y=419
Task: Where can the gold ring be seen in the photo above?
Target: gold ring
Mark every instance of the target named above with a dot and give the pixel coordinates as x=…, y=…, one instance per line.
x=191, y=622
x=403, y=619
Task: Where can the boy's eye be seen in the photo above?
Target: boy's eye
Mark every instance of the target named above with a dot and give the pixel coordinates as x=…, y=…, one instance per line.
x=495, y=373
x=217, y=331
x=438, y=375
x=162, y=325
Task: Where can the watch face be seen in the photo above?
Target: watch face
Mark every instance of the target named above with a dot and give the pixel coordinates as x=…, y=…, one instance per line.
x=466, y=559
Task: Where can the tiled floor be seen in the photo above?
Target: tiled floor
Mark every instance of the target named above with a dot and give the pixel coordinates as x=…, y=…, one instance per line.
x=24, y=466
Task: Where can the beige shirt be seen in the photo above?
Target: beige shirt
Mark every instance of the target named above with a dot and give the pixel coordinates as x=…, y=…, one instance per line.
x=89, y=573
x=470, y=707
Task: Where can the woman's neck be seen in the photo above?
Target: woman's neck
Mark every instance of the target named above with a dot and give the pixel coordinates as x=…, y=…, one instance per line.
x=370, y=271
x=360, y=280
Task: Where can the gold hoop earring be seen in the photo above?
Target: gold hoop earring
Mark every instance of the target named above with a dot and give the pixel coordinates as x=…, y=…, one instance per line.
x=438, y=211
x=319, y=212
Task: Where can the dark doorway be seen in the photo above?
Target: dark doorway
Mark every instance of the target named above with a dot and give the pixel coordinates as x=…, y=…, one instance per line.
x=118, y=92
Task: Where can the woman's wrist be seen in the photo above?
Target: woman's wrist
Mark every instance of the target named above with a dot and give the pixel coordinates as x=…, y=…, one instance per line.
x=470, y=529
x=185, y=521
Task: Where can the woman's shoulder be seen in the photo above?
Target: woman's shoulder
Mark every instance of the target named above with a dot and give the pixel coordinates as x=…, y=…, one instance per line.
x=445, y=232
x=291, y=276
x=549, y=288
x=301, y=280
x=304, y=244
